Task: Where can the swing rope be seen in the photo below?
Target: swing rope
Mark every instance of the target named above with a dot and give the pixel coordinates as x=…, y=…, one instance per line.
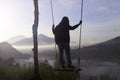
x=80, y=33
x=52, y=13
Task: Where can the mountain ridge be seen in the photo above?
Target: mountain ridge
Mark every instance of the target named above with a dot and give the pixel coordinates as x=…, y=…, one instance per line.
x=105, y=51
x=15, y=39
x=42, y=40
x=7, y=51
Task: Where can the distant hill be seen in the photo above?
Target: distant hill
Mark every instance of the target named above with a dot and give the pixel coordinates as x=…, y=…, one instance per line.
x=15, y=39
x=105, y=51
x=42, y=40
x=7, y=51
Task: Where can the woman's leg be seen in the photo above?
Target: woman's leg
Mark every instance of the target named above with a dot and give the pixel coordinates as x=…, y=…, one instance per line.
x=68, y=55
x=61, y=59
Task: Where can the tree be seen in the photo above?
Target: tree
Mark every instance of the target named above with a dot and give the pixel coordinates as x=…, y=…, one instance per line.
x=35, y=41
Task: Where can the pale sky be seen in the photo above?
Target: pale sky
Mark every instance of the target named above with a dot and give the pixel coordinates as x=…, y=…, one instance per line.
x=100, y=18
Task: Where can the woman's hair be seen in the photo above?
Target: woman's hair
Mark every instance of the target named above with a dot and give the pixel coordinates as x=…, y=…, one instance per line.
x=64, y=21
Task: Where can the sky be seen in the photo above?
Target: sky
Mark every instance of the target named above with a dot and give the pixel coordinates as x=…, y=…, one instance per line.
x=100, y=18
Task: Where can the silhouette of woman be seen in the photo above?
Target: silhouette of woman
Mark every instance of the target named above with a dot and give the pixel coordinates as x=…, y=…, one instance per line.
x=62, y=39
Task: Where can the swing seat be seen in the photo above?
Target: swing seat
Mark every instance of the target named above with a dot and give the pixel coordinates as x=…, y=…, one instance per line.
x=68, y=69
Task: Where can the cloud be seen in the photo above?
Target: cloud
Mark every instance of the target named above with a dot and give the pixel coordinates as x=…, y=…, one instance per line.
x=68, y=3
x=102, y=8
x=106, y=5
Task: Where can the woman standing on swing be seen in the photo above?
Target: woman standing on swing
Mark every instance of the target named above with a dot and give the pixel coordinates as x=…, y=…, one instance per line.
x=62, y=39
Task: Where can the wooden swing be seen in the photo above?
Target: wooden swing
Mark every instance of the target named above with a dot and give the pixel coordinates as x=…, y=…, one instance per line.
x=69, y=69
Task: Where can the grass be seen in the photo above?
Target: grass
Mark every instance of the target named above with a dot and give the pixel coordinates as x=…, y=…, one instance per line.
x=23, y=73
x=8, y=72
